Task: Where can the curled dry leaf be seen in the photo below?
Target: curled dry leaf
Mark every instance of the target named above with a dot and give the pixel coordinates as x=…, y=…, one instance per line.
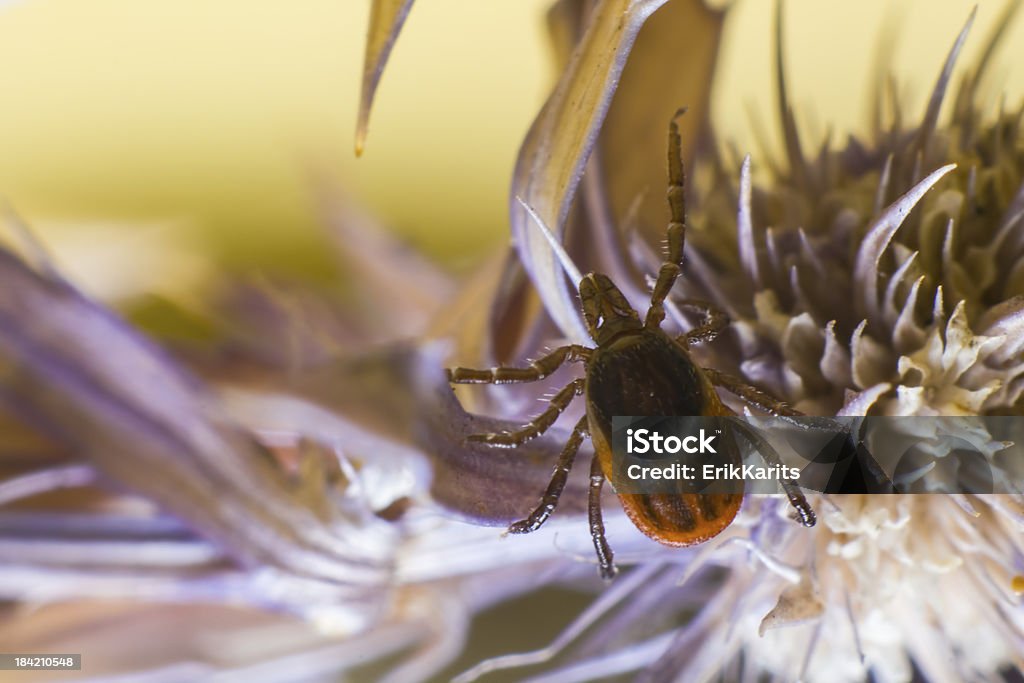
x=489, y=485
x=622, y=190
x=402, y=395
x=628, y=169
x=556, y=149
x=670, y=67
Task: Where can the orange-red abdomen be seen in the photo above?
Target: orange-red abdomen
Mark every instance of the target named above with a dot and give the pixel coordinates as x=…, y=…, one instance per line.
x=648, y=373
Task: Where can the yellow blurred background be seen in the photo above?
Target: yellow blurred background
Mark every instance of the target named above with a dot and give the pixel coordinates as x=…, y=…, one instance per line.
x=196, y=125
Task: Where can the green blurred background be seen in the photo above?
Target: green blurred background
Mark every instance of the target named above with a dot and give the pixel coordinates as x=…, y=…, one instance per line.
x=137, y=136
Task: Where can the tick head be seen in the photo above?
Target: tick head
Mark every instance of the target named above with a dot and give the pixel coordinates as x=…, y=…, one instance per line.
x=606, y=311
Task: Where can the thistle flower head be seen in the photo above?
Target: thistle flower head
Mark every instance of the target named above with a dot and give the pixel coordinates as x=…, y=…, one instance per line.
x=879, y=274
x=879, y=277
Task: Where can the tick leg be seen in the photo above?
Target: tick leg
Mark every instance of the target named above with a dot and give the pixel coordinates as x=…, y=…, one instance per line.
x=769, y=404
x=676, y=194
x=751, y=394
x=804, y=511
x=538, y=369
x=537, y=425
x=715, y=321
x=555, y=487
x=605, y=556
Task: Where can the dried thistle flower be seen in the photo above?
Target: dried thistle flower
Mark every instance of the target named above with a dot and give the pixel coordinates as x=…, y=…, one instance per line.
x=886, y=282
x=885, y=285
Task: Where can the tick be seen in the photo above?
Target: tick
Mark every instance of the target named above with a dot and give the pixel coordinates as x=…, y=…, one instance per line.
x=636, y=368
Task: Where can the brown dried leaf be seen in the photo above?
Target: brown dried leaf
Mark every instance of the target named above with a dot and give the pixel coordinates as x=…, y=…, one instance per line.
x=670, y=66
x=556, y=149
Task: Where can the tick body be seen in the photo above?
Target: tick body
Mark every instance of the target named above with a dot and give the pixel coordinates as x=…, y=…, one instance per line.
x=635, y=368
x=648, y=373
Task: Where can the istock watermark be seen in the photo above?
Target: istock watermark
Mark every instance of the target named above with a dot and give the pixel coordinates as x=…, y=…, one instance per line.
x=644, y=440
x=885, y=455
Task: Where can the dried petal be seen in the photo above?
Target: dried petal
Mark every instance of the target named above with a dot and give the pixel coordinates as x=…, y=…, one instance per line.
x=669, y=67
x=555, y=151
x=877, y=239
x=92, y=382
x=386, y=19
